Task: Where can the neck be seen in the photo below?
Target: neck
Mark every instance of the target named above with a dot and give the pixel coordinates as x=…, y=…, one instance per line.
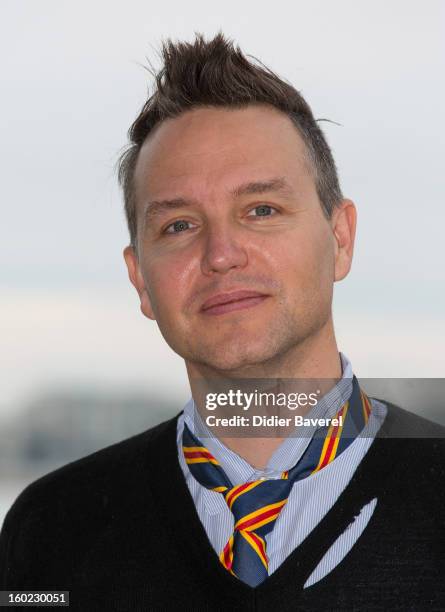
x=314, y=358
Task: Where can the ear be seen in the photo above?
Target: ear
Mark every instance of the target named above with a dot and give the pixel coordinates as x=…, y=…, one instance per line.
x=137, y=280
x=344, y=220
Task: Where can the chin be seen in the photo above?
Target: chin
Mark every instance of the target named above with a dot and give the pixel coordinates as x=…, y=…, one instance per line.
x=235, y=358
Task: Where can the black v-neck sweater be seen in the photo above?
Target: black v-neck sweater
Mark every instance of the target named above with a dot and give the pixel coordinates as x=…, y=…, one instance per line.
x=119, y=530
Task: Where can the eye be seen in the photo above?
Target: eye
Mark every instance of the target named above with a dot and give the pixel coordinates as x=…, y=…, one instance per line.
x=262, y=210
x=178, y=226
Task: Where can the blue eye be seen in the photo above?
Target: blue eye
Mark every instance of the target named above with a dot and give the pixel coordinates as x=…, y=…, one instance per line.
x=263, y=210
x=177, y=226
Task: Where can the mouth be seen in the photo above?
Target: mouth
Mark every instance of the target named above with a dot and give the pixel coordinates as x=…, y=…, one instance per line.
x=229, y=302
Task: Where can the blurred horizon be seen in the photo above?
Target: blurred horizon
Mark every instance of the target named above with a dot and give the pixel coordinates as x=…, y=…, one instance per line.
x=63, y=424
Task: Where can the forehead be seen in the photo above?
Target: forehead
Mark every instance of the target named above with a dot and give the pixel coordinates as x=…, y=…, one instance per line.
x=209, y=149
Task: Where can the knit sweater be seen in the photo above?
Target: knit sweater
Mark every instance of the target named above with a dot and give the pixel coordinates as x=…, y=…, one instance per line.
x=119, y=539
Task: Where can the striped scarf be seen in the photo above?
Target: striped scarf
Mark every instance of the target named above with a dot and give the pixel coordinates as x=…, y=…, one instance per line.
x=256, y=505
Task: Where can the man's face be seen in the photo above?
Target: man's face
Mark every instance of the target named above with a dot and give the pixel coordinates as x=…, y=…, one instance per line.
x=226, y=203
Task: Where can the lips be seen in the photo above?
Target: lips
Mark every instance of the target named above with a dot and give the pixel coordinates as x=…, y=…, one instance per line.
x=228, y=298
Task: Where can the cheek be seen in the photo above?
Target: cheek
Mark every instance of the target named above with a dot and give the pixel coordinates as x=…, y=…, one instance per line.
x=320, y=265
x=306, y=261
x=168, y=280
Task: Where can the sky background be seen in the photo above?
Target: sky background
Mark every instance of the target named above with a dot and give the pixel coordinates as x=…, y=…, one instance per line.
x=73, y=81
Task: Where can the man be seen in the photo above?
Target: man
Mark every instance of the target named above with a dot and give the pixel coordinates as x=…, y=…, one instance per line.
x=238, y=231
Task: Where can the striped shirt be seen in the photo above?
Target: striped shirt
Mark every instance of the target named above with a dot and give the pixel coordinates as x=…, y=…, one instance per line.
x=310, y=498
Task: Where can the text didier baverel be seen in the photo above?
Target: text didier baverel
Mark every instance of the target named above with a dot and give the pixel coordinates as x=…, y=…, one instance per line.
x=271, y=421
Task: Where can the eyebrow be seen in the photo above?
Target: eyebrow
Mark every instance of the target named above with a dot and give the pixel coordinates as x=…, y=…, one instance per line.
x=278, y=184
x=155, y=208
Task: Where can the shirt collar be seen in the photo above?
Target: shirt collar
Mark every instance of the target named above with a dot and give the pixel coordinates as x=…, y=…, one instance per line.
x=290, y=450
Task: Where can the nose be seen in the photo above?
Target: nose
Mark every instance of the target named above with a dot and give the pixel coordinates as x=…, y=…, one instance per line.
x=223, y=251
